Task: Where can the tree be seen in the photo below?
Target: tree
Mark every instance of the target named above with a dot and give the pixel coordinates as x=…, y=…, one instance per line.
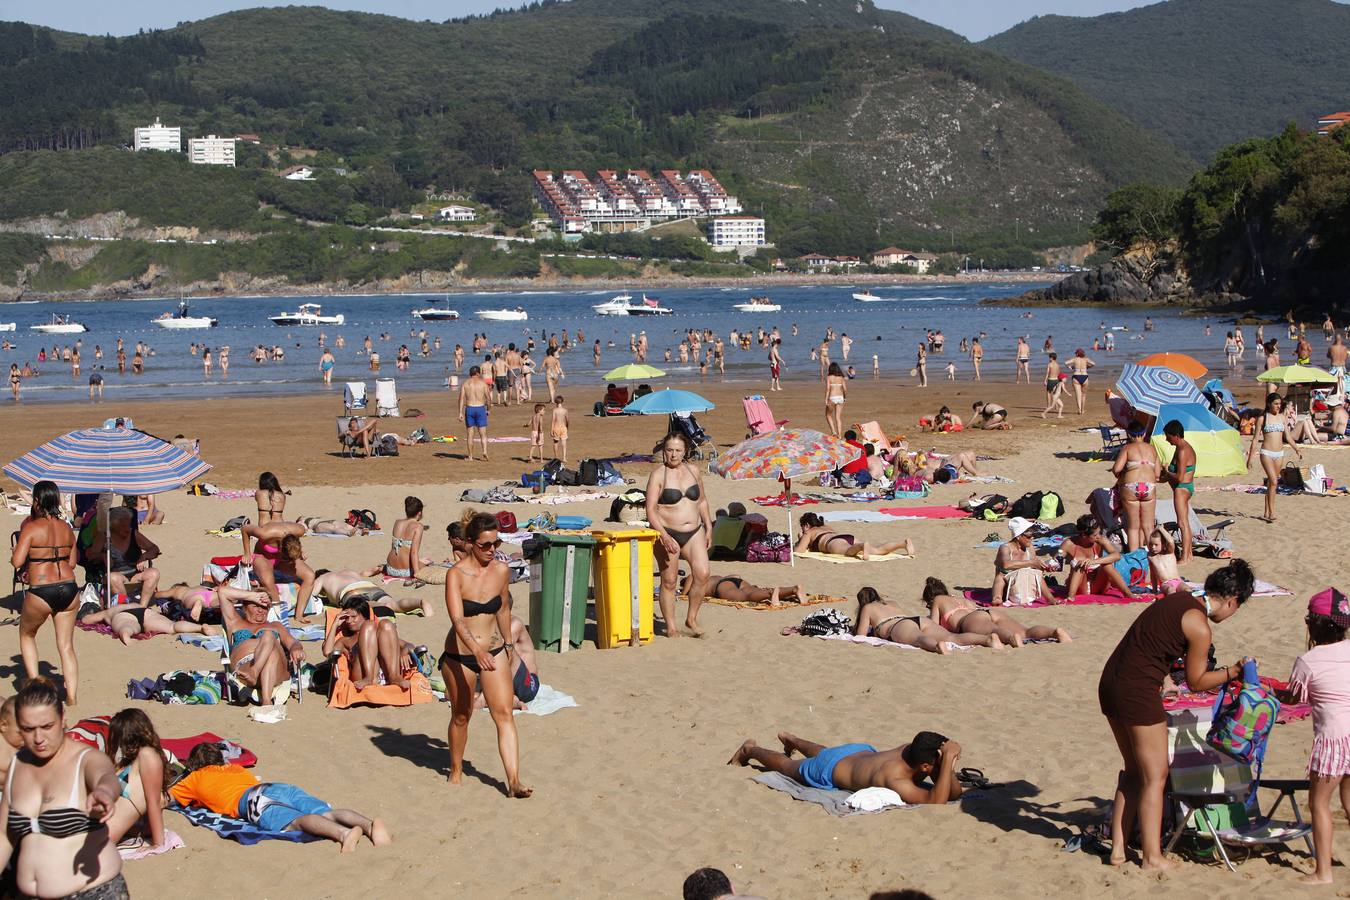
x=1139, y=213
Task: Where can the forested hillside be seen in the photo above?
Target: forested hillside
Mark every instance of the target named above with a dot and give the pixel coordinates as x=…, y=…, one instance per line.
x=1203, y=73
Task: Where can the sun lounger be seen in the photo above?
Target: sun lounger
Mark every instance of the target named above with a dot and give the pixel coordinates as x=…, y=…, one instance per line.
x=353, y=397
x=871, y=433
x=349, y=444
x=386, y=397
x=759, y=417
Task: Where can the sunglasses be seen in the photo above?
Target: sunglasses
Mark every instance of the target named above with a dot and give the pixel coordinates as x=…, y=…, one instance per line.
x=488, y=545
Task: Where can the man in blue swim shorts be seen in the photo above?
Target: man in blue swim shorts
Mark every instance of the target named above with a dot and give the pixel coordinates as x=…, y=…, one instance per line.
x=474, y=396
x=929, y=757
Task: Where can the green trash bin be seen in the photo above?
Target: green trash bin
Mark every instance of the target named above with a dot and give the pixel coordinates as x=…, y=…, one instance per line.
x=560, y=582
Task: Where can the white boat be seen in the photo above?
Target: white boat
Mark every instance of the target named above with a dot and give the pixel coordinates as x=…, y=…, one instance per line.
x=180, y=320
x=758, y=304
x=625, y=305
x=9, y=326
x=60, y=325
x=307, y=314
x=503, y=315
x=437, y=313
x=869, y=297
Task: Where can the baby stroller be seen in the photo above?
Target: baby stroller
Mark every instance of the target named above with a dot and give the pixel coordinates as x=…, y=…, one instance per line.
x=685, y=424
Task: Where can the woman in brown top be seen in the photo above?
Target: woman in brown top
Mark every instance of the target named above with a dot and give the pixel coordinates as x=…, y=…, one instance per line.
x=1130, y=694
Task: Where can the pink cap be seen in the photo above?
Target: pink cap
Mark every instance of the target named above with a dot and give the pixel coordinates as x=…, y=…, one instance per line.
x=1333, y=604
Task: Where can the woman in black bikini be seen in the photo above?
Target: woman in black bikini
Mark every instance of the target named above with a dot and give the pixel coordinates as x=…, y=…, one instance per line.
x=879, y=618
x=738, y=590
x=45, y=552
x=677, y=507
x=270, y=498
x=477, y=649
x=817, y=537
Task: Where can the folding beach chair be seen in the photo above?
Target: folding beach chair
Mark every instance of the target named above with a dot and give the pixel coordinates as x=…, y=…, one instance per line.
x=350, y=445
x=386, y=397
x=353, y=397
x=1209, y=540
x=871, y=433
x=1113, y=439
x=758, y=417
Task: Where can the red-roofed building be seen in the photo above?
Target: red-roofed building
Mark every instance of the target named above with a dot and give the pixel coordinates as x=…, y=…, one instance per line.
x=1329, y=123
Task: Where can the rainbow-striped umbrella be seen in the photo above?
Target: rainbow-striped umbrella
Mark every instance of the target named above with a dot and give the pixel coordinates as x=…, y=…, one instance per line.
x=115, y=460
x=785, y=454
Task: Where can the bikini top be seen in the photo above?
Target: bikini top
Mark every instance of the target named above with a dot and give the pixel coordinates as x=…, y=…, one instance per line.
x=671, y=496
x=400, y=543
x=1272, y=427
x=48, y=559
x=475, y=608
x=58, y=822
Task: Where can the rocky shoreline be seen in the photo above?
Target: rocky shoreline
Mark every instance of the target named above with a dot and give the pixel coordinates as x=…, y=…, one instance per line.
x=1138, y=278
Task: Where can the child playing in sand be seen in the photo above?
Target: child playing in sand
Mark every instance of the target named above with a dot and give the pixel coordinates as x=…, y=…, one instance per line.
x=558, y=428
x=951, y=371
x=537, y=432
x=1162, y=563
x=1322, y=677
x=231, y=790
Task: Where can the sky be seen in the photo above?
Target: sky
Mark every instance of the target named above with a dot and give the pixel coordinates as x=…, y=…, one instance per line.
x=976, y=19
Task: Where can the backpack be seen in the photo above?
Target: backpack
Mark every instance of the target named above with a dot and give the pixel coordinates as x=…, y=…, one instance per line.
x=387, y=445
x=362, y=518
x=1027, y=506
x=825, y=622
x=567, y=478
x=1052, y=507
x=552, y=468
x=769, y=547
x=506, y=522
x=588, y=472
x=235, y=524
x=1244, y=714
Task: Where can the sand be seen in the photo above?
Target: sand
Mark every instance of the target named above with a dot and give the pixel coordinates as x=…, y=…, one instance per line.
x=631, y=790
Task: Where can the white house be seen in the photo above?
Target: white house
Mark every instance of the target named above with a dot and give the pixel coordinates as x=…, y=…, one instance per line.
x=211, y=151
x=455, y=213
x=894, y=256
x=728, y=232
x=817, y=261
x=297, y=173
x=159, y=137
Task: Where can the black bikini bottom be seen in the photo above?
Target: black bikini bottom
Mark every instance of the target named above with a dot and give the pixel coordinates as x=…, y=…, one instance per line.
x=682, y=537
x=57, y=596
x=468, y=661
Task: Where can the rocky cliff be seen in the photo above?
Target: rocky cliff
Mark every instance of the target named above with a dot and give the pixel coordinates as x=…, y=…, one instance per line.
x=1142, y=276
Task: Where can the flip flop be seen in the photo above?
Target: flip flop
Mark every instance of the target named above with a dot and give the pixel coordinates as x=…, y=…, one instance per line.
x=973, y=778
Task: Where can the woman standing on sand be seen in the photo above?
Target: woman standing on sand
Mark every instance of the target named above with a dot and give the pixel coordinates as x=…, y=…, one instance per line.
x=477, y=649
x=1130, y=695
x=1078, y=369
x=1180, y=474
x=1136, y=470
x=976, y=356
x=1272, y=435
x=1023, y=360
x=921, y=365
x=677, y=507
x=45, y=553
x=836, y=392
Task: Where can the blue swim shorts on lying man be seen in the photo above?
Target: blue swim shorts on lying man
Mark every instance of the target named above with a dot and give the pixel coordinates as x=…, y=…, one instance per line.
x=818, y=771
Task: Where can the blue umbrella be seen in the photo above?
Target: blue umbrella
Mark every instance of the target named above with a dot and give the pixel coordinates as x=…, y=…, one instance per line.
x=1192, y=416
x=667, y=403
x=1149, y=387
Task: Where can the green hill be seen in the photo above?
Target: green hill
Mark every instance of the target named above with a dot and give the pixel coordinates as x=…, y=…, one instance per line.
x=850, y=127
x=1203, y=73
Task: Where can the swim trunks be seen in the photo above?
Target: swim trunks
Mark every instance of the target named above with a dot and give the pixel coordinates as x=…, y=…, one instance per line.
x=818, y=771
x=500, y=382
x=476, y=416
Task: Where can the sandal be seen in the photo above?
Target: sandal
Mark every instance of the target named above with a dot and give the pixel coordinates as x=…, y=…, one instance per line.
x=973, y=778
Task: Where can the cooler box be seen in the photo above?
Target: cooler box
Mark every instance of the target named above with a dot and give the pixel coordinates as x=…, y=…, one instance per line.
x=560, y=581
x=624, y=563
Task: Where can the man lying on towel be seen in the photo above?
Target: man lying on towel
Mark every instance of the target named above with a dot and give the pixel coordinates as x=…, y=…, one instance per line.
x=337, y=588
x=852, y=767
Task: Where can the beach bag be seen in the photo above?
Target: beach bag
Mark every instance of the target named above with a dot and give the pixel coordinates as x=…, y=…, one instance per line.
x=588, y=472
x=552, y=468
x=387, y=445
x=567, y=478
x=419, y=436
x=628, y=507
x=1027, y=506
x=1244, y=714
x=235, y=524
x=1292, y=477
x=537, y=478
x=1052, y=507
x=769, y=547
x=506, y=522
x=826, y=622
x=572, y=523
x=362, y=518
x=473, y=495
x=1133, y=567
x=202, y=489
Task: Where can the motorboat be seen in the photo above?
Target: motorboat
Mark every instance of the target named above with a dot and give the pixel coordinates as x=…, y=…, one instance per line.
x=437, y=313
x=307, y=314
x=625, y=305
x=503, y=315
x=180, y=320
x=60, y=324
x=758, y=304
x=9, y=326
x=868, y=297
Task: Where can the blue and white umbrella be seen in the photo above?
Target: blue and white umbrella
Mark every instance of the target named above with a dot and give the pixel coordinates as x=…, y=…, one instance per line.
x=1149, y=387
x=668, y=403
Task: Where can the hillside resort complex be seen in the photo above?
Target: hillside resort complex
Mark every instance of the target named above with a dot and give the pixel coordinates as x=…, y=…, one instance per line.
x=203, y=151
x=578, y=204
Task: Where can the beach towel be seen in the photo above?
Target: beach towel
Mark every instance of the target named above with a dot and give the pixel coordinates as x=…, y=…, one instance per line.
x=842, y=803
x=880, y=642
x=509, y=439
x=93, y=732
x=1289, y=712
x=234, y=495
x=548, y=701
x=216, y=643
x=861, y=515
x=832, y=558
x=926, y=512
x=1259, y=589
x=810, y=600
x=138, y=848
x=234, y=829
x=344, y=692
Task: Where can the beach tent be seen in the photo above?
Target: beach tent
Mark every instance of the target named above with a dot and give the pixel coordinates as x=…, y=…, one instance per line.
x=1218, y=447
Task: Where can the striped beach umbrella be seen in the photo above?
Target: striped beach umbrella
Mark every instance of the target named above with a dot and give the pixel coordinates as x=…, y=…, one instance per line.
x=115, y=460
x=1149, y=387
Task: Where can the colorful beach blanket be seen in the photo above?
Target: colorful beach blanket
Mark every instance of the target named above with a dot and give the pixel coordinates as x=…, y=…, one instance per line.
x=985, y=597
x=1289, y=712
x=926, y=512
x=234, y=829
x=832, y=558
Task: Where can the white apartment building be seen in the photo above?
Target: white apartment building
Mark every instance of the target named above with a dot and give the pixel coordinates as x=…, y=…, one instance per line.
x=159, y=137
x=456, y=214
x=729, y=232
x=211, y=151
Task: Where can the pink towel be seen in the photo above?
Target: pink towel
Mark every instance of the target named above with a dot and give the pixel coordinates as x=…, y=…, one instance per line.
x=142, y=850
x=101, y=628
x=1289, y=712
x=984, y=597
x=927, y=512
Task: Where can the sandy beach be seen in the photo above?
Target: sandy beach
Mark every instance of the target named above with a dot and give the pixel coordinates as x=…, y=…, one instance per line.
x=631, y=788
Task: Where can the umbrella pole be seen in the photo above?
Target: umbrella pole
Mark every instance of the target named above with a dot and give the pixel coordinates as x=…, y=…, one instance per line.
x=787, y=492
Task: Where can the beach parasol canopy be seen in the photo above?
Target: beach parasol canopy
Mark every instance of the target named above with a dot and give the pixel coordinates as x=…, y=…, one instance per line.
x=1218, y=447
x=633, y=372
x=668, y=403
x=1189, y=366
x=1296, y=375
x=112, y=460
x=785, y=454
x=1149, y=387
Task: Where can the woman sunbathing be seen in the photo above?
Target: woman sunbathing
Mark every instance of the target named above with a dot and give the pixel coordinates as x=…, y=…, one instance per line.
x=819, y=538
x=375, y=654
x=133, y=746
x=964, y=618
x=130, y=619
x=954, y=466
x=231, y=790
x=738, y=590
x=194, y=601
x=883, y=619
x=279, y=552
x=402, y=560
x=321, y=525
x=261, y=652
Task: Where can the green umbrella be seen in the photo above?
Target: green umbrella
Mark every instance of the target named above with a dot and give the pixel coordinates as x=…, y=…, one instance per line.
x=633, y=372
x=1297, y=375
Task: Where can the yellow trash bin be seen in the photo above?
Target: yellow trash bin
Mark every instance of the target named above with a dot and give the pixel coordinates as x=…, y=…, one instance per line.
x=623, y=566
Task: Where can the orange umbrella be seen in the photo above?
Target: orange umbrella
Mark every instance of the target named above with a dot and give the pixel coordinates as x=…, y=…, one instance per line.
x=1178, y=362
